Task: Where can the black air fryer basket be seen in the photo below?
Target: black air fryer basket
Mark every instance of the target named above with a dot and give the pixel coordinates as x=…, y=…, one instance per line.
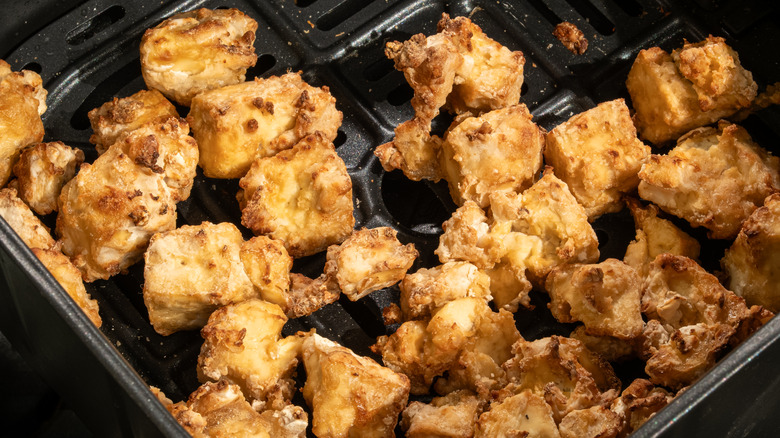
x=87, y=53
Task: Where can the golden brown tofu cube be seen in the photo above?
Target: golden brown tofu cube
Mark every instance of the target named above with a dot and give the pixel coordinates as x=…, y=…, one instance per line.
x=525, y=414
x=22, y=102
x=694, y=86
x=593, y=422
x=606, y=297
x=190, y=272
x=69, y=277
x=268, y=265
x=243, y=343
x=30, y=229
x=237, y=124
x=467, y=237
x=369, y=260
x=196, y=51
x=428, y=290
x=307, y=295
x=753, y=261
x=454, y=416
x=118, y=116
x=301, y=196
x=350, y=395
x=608, y=347
x=713, y=178
x=638, y=403
x=597, y=154
x=42, y=171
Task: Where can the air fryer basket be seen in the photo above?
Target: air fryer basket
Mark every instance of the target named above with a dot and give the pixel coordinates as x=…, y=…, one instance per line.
x=88, y=54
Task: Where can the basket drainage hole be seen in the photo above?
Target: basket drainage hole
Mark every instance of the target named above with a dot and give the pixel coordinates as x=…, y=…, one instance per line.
x=33, y=66
x=341, y=13
x=378, y=69
x=630, y=7
x=413, y=204
x=263, y=64
x=599, y=21
x=341, y=138
x=304, y=3
x=95, y=25
x=400, y=95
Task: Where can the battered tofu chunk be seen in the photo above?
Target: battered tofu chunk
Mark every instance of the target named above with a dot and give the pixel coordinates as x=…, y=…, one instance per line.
x=301, y=196
x=499, y=150
x=369, y=260
x=694, y=86
x=350, y=395
x=19, y=216
x=69, y=277
x=467, y=236
x=428, y=290
x=237, y=124
x=22, y=102
x=598, y=155
x=521, y=415
x=413, y=150
x=196, y=51
x=268, y=265
x=118, y=116
x=307, y=295
x=753, y=261
x=192, y=271
x=610, y=348
x=638, y=403
x=42, y=171
x=654, y=236
x=606, y=297
x=243, y=344
x=454, y=416
x=713, y=178
x=509, y=286
x=593, y=422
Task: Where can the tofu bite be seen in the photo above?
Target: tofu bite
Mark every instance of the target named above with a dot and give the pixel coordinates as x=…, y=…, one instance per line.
x=192, y=271
x=118, y=116
x=694, y=86
x=468, y=236
x=369, y=260
x=69, y=277
x=19, y=216
x=597, y=154
x=593, y=422
x=22, y=102
x=753, y=261
x=42, y=171
x=713, y=178
x=499, y=150
x=428, y=290
x=195, y=51
x=237, y=124
x=453, y=415
x=523, y=414
x=350, y=395
x=301, y=196
x=307, y=295
x=606, y=297
x=638, y=403
x=243, y=344
x=268, y=265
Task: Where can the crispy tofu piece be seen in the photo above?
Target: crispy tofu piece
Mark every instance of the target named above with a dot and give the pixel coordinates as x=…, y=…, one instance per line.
x=369, y=260
x=237, y=124
x=694, y=86
x=638, y=403
x=69, y=277
x=307, y=295
x=564, y=372
x=22, y=102
x=243, y=344
x=713, y=178
x=752, y=263
x=42, y=171
x=605, y=296
x=597, y=154
x=692, y=318
x=191, y=421
x=593, y=422
x=191, y=271
x=268, y=266
x=654, y=236
x=118, y=116
x=610, y=348
x=196, y=51
x=454, y=416
x=521, y=415
x=413, y=150
x=467, y=237
x=499, y=150
x=301, y=196
x=113, y=206
x=350, y=395
x=30, y=229
x=509, y=286
x=428, y=290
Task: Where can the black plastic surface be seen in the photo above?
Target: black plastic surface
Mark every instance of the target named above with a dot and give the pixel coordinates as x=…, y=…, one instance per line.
x=90, y=54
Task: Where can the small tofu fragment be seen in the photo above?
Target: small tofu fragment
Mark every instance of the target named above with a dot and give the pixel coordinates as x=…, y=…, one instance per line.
x=18, y=215
x=22, y=102
x=118, y=116
x=369, y=260
x=454, y=415
x=301, y=196
x=42, y=171
x=268, y=265
x=598, y=155
x=196, y=51
x=467, y=237
x=571, y=37
x=606, y=297
x=696, y=85
x=713, y=178
x=593, y=422
x=190, y=272
x=307, y=295
x=638, y=403
x=610, y=348
x=350, y=395
x=753, y=261
x=499, y=150
x=428, y=290
x=521, y=415
x=237, y=124
x=243, y=344
x=69, y=277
